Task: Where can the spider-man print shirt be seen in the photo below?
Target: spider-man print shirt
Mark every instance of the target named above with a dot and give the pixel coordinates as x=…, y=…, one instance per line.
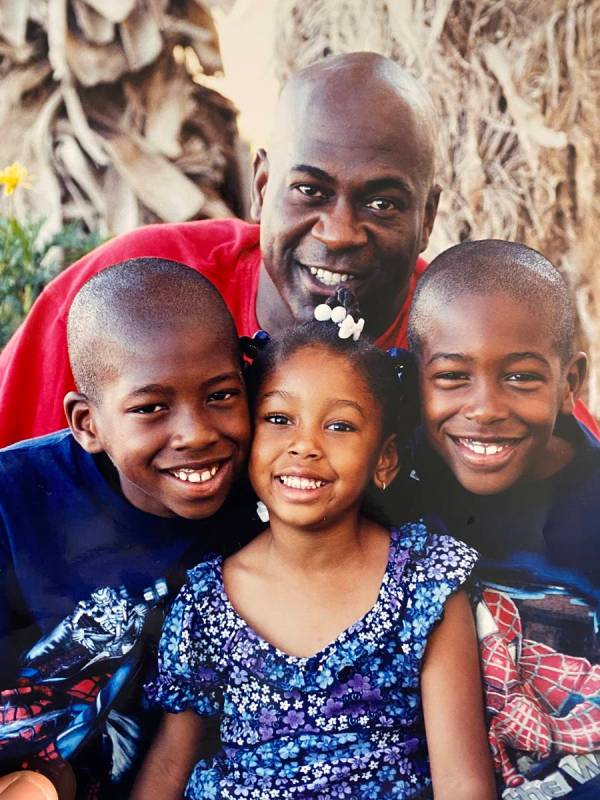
x=84, y=580
x=536, y=602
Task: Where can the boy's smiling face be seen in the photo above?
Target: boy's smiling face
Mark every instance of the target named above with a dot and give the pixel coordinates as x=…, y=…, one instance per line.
x=173, y=419
x=492, y=385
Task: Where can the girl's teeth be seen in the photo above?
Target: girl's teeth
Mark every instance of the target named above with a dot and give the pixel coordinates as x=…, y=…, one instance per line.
x=483, y=449
x=196, y=476
x=300, y=483
x=329, y=278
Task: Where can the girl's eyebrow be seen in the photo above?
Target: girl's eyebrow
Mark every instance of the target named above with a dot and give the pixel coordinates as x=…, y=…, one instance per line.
x=276, y=393
x=343, y=402
x=336, y=401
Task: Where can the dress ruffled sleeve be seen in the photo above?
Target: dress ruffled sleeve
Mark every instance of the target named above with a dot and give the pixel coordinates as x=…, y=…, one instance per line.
x=188, y=677
x=439, y=565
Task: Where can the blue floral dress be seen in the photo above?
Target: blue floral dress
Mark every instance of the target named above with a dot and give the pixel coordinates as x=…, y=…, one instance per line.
x=344, y=723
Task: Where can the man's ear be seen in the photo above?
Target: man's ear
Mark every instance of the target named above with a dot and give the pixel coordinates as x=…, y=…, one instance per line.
x=80, y=416
x=574, y=379
x=431, y=207
x=259, y=183
x=388, y=463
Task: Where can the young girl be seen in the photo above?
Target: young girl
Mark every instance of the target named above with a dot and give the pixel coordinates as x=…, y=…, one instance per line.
x=320, y=647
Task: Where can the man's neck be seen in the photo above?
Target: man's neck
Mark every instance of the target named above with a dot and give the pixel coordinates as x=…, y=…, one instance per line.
x=272, y=313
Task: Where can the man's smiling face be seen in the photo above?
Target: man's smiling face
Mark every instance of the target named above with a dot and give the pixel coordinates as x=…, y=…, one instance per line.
x=345, y=197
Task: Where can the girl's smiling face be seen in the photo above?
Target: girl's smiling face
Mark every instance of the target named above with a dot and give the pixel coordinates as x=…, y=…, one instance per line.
x=318, y=440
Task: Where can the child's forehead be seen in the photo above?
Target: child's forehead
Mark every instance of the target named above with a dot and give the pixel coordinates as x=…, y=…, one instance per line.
x=169, y=349
x=319, y=365
x=479, y=323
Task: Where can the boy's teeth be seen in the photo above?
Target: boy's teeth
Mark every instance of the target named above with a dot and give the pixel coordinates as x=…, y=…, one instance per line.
x=195, y=475
x=329, y=278
x=300, y=483
x=483, y=449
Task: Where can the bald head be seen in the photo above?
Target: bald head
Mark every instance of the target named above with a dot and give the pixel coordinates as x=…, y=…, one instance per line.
x=493, y=266
x=138, y=297
x=359, y=88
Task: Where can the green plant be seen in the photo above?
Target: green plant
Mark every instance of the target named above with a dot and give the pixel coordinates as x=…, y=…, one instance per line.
x=26, y=266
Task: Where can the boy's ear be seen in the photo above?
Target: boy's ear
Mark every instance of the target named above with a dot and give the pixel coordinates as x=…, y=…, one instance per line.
x=574, y=378
x=259, y=184
x=388, y=463
x=80, y=416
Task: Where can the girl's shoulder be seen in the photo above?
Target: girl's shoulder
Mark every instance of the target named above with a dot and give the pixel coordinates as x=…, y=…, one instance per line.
x=428, y=555
x=204, y=582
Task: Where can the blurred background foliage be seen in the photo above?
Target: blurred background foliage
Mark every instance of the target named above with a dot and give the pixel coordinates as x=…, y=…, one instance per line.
x=27, y=264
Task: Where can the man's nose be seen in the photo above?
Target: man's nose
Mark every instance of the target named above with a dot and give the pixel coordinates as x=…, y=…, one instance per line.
x=193, y=429
x=337, y=227
x=486, y=403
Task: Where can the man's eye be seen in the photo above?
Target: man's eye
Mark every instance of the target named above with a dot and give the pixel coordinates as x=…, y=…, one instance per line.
x=340, y=426
x=382, y=204
x=308, y=190
x=149, y=408
x=277, y=419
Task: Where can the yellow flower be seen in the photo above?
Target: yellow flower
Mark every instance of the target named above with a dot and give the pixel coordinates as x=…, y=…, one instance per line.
x=15, y=175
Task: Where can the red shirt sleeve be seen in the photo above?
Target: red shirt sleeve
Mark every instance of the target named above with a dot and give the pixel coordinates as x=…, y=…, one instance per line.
x=583, y=415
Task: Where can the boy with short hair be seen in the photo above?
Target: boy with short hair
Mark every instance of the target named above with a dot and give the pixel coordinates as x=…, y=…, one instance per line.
x=98, y=524
x=505, y=466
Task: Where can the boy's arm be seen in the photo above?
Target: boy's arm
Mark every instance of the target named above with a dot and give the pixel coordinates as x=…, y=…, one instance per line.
x=181, y=740
x=461, y=764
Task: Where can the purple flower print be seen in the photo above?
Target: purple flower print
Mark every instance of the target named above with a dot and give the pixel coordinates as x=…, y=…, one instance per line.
x=294, y=719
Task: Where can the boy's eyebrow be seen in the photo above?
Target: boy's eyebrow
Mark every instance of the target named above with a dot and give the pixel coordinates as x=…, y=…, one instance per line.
x=151, y=388
x=528, y=354
x=148, y=388
x=449, y=357
x=508, y=357
x=225, y=376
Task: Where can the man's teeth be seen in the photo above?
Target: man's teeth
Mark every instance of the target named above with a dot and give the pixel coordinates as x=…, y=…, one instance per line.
x=483, y=449
x=300, y=483
x=196, y=475
x=329, y=278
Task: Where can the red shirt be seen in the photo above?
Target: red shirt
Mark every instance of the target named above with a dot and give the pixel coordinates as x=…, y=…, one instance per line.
x=34, y=367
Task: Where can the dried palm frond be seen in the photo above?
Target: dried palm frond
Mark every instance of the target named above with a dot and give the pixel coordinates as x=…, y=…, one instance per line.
x=517, y=87
x=96, y=100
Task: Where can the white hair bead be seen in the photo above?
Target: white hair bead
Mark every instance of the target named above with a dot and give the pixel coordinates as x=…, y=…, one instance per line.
x=358, y=328
x=338, y=314
x=347, y=327
x=322, y=312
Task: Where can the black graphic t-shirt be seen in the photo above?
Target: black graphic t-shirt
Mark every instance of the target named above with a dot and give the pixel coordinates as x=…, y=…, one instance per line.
x=536, y=600
x=84, y=581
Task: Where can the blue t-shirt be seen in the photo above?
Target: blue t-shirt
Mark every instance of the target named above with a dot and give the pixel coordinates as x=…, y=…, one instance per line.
x=84, y=576
x=537, y=605
x=344, y=723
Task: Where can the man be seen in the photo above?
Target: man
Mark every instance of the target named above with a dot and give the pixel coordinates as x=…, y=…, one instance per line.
x=346, y=195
